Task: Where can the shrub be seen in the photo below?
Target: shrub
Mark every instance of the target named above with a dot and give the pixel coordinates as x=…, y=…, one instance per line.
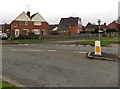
x=111, y=30
x=28, y=37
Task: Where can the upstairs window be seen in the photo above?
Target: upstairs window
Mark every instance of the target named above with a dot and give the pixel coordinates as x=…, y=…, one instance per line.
x=23, y=23
x=37, y=23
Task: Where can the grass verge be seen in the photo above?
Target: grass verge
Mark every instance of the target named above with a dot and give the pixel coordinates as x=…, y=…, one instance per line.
x=57, y=39
x=103, y=43
x=6, y=85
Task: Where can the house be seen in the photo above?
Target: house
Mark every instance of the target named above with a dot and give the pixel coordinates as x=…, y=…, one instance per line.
x=91, y=27
x=113, y=25
x=26, y=24
x=118, y=21
x=1, y=28
x=53, y=29
x=71, y=25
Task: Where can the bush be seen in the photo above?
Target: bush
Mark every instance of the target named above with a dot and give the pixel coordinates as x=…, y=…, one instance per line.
x=111, y=30
x=28, y=37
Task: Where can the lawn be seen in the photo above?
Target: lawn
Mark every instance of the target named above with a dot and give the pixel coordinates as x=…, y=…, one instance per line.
x=103, y=43
x=57, y=39
x=6, y=85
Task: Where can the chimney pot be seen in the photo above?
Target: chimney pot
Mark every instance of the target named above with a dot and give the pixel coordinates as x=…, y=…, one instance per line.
x=28, y=13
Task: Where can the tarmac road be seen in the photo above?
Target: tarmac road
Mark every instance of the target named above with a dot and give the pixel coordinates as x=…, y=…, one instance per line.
x=47, y=65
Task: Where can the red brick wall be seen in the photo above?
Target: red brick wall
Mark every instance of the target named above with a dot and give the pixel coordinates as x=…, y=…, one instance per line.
x=74, y=29
x=113, y=25
x=16, y=25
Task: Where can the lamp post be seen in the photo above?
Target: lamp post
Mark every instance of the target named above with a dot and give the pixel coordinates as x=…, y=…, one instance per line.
x=99, y=21
x=97, y=43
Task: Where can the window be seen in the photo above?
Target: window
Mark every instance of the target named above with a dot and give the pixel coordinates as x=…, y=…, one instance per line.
x=23, y=23
x=36, y=31
x=37, y=23
x=25, y=31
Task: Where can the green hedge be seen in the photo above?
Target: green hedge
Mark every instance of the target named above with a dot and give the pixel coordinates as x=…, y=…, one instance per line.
x=28, y=37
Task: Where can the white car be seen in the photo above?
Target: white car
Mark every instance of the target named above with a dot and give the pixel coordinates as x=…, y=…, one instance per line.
x=3, y=36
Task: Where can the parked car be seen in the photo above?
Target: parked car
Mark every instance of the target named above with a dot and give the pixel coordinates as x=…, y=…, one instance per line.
x=3, y=36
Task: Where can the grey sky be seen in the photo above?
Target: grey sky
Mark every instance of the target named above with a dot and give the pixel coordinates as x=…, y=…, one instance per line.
x=54, y=10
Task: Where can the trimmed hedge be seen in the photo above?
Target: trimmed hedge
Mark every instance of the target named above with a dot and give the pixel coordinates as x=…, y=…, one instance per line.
x=28, y=37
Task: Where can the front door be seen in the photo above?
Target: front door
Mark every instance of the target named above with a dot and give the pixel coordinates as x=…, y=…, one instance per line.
x=17, y=33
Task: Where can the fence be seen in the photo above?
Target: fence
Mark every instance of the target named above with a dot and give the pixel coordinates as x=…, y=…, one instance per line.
x=68, y=36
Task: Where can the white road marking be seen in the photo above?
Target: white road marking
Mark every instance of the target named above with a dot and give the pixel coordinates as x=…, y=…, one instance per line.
x=30, y=50
x=25, y=50
x=36, y=50
x=79, y=52
x=82, y=52
x=52, y=50
x=23, y=44
x=33, y=50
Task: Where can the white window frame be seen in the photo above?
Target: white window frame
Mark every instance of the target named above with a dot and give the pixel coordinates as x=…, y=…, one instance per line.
x=37, y=23
x=26, y=30
x=25, y=22
x=36, y=31
x=17, y=32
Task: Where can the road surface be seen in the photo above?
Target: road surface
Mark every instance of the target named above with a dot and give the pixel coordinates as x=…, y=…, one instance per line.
x=52, y=65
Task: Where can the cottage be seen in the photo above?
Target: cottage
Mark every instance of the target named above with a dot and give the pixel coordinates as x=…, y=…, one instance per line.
x=71, y=25
x=25, y=24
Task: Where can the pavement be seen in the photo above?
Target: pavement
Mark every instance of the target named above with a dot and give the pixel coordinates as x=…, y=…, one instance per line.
x=104, y=56
x=54, y=65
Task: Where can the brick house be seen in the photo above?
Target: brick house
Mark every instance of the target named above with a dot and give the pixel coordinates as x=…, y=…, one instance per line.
x=53, y=29
x=91, y=27
x=25, y=24
x=118, y=21
x=113, y=25
x=71, y=25
x=1, y=27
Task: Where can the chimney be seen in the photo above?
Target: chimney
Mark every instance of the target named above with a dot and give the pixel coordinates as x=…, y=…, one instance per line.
x=28, y=13
x=104, y=24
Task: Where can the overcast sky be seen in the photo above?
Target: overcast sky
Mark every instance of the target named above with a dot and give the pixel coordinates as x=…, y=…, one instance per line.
x=54, y=10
